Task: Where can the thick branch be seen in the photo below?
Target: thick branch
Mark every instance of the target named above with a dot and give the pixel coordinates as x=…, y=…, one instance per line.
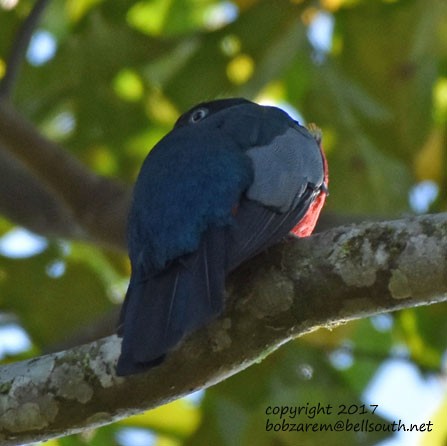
x=26, y=201
x=98, y=205
x=343, y=274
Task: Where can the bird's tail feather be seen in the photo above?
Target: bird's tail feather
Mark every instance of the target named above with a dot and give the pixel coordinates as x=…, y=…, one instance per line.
x=161, y=309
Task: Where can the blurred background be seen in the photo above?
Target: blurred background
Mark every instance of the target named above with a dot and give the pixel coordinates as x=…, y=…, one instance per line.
x=106, y=79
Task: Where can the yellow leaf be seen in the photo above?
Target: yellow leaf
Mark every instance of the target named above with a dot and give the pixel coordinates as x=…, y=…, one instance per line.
x=179, y=418
x=438, y=434
x=243, y=5
x=128, y=85
x=2, y=68
x=77, y=9
x=428, y=163
x=240, y=69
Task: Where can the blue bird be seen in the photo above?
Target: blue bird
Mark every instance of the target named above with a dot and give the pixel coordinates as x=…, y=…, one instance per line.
x=231, y=179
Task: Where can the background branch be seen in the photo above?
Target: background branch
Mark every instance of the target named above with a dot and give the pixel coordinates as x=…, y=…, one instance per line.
x=343, y=274
x=40, y=209
x=19, y=48
x=97, y=205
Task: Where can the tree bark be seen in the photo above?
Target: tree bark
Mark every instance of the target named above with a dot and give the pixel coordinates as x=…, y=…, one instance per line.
x=346, y=273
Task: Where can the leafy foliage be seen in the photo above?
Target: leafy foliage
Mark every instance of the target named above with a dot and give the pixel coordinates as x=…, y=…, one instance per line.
x=122, y=72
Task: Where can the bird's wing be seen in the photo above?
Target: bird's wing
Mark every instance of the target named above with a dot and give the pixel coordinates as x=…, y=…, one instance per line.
x=288, y=175
x=256, y=228
x=285, y=168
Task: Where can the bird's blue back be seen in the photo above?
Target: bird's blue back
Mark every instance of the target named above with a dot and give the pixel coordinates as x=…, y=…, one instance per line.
x=193, y=178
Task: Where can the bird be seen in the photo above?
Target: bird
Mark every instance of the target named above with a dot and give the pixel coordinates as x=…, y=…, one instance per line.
x=231, y=179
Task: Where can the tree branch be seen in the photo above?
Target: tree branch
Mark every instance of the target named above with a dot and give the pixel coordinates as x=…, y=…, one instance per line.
x=343, y=274
x=19, y=47
x=97, y=205
x=40, y=210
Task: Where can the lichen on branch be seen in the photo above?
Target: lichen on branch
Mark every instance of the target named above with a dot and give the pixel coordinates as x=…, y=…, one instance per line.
x=345, y=273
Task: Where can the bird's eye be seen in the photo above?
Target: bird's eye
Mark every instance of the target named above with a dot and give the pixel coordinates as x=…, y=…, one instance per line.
x=198, y=115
